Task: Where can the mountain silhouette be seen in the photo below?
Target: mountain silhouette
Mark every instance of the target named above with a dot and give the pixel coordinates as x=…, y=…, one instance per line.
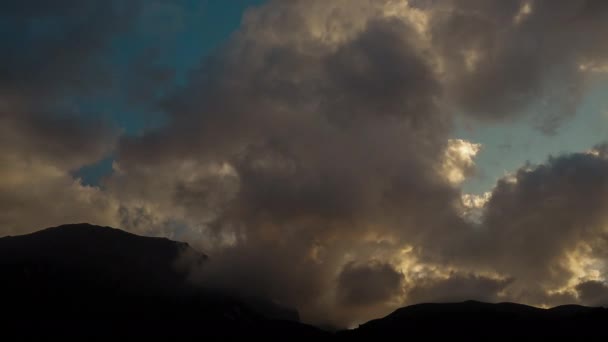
x=87, y=281
x=79, y=257
x=485, y=321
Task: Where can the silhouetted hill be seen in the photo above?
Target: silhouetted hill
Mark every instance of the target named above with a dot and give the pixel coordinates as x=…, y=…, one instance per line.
x=89, y=281
x=81, y=256
x=477, y=320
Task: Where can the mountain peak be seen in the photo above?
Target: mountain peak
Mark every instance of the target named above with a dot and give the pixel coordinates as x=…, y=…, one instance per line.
x=474, y=319
x=78, y=256
x=99, y=277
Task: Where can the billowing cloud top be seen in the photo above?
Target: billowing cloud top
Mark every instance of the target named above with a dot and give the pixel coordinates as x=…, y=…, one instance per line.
x=312, y=155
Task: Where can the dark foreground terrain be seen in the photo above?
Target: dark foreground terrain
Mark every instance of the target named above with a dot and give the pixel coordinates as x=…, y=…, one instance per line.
x=97, y=282
x=484, y=321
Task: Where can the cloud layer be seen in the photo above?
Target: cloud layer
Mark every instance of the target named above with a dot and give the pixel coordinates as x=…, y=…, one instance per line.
x=312, y=156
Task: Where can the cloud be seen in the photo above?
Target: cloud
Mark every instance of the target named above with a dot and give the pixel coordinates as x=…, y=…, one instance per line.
x=474, y=205
x=593, y=293
x=36, y=195
x=332, y=119
x=59, y=63
x=54, y=70
x=457, y=287
x=503, y=58
x=368, y=284
x=52, y=55
x=53, y=49
x=459, y=160
x=545, y=229
x=333, y=150
x=317, y=139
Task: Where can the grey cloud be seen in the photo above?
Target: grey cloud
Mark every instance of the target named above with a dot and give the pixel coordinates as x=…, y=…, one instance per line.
x=384, y=71
x=331, y=143
x=52, y=59
x=593, y=293
x=525, y=61
x=338, y=141
x=55, y=67
x=537, y=223
x=50, y=49
x=281, y=273
x=66, y=142
x=368, y=284
x=53, y=55
x=457, y=287
x=58, y=64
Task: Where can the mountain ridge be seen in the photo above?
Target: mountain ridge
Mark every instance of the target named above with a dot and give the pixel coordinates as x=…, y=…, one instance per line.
x=480, y=320
x=109, y=282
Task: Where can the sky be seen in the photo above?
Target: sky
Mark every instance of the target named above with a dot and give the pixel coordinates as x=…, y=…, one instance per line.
x=342, y=157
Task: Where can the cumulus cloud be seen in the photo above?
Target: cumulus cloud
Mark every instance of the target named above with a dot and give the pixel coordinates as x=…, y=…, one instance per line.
x=500, y=58
x=55, y=69
x=457, y=287
x=459, y=160
x=546, y=229
x=311, y=157
x=36, y=195
x=474, y=205
x=593, y=293
x=335, y=138
x=52, y=55
x=366, y=284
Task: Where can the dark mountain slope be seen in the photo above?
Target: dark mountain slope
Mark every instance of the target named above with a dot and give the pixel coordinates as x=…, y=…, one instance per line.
x=89, y=281
x=92, y=282
x=81, y=256
x=476, y=320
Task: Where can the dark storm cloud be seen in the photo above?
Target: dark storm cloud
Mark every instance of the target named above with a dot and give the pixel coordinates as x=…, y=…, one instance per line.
x=554, y=205
x=52, y=54
x=544, y=227
x=503, y=57
x=61, y=60
x=330, y=118
x=382, y=71
x=282, y=272
x=593, y=293
x=58, y=63
x=49, y=49
x=365, y=284
x=457, y=287
x=331, y=143
x=303, y=138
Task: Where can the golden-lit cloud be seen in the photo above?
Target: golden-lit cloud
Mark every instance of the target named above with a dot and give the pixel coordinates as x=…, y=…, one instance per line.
x=459, y=160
